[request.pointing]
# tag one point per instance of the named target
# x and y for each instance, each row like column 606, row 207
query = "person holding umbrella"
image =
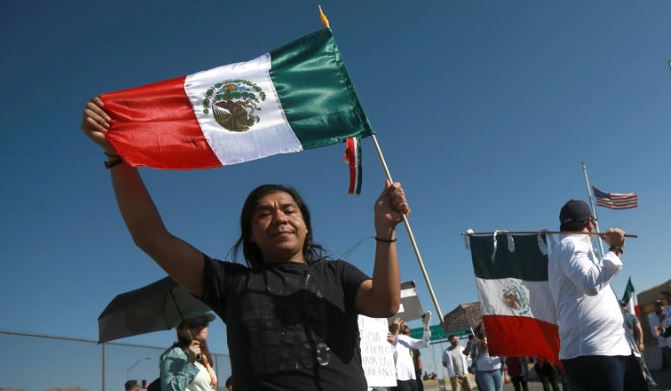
column 291, row 314
column 186, row 365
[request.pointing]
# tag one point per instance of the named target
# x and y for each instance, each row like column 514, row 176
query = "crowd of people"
column 489, row 371
column 291, row 313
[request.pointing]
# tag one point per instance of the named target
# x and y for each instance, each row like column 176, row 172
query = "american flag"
column 615, row 200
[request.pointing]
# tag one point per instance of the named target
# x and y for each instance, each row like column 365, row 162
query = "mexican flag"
column 629, row 298
column 511, row 277
column 293, row 98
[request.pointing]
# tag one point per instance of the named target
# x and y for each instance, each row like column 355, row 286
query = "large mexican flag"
column 511, row 278
column 293, row 98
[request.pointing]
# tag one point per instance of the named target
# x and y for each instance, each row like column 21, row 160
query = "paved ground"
column 663, row 379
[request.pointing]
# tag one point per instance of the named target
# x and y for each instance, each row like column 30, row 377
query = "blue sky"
column 483, row 109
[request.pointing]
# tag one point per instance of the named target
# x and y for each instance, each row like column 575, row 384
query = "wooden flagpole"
column 327, row 24
column 439, row 312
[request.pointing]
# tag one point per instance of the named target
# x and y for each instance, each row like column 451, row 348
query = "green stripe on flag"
column 315, row 91
column 526, row 262
column 628, row 291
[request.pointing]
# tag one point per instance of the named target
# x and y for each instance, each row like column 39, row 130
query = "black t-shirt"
column 290, row 326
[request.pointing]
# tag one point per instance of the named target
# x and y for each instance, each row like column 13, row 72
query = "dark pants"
column 666, row 357
column 520, row 383
column 547, row 375
column 606, row 373
column 406, row 385
column 420, row 383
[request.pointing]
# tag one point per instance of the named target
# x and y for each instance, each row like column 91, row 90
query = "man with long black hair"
column 290, row 313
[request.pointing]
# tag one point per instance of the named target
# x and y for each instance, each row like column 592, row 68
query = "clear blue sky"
column 484, row 111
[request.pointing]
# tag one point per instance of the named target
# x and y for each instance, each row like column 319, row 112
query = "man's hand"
column 389, row 209
column 96, row 123
column 426, row 319
column 614, row 237
column 395, row 327
column 194, row 351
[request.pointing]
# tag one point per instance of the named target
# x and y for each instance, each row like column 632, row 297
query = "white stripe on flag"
column 532, row 298
column 270, row 135
column 616, row 200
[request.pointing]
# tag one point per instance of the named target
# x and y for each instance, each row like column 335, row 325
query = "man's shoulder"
column 334, row 266
column 570, row 244
column 326, row 265
column 575, row 241
column 226, row 265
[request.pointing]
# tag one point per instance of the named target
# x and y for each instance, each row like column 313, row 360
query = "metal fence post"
column 104, row 370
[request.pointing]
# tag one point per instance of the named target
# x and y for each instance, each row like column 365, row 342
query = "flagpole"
column 628, row 336
column 327, row 24
column 543, row 232
column 412, row 237
column 591, row 203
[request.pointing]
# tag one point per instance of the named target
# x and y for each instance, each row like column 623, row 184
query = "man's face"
column 454, row 342
column 278, row 228
column 591, row 226
column 405, row 330
column 658, row 308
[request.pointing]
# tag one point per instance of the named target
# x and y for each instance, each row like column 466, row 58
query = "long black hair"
column 253, row 257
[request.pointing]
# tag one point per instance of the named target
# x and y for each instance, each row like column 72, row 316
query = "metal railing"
column 38, row 362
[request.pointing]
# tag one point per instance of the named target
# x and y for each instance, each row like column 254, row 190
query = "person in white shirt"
column 457, row 364
column 402, row 343
column 594, row 347
column 488, row 369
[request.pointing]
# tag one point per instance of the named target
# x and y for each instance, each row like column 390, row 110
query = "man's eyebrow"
column 263, row 207
column 268, row 206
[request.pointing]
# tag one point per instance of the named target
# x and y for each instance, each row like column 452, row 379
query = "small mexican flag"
column 293, row 98
column 629, row 298
column 511, row 277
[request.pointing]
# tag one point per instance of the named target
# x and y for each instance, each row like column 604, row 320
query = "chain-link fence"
column 34, row 362
column 432, row 358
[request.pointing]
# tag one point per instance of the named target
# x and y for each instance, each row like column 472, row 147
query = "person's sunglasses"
column 198, row 324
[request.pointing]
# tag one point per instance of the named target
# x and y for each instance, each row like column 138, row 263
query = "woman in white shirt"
column 186, row 365
column 487, row 368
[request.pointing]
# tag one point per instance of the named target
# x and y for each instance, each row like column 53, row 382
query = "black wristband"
column 384, row 240
column 111, row 155
column 618, row 250
column 111, row 163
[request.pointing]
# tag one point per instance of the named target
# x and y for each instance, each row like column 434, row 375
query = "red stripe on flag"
column 637, row 310
column 522, row 336
column 350, row 157
column 154, row 125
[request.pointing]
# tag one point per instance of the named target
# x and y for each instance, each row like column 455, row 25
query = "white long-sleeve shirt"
column 449, row 364
column 401, row 345
column 590, row 320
